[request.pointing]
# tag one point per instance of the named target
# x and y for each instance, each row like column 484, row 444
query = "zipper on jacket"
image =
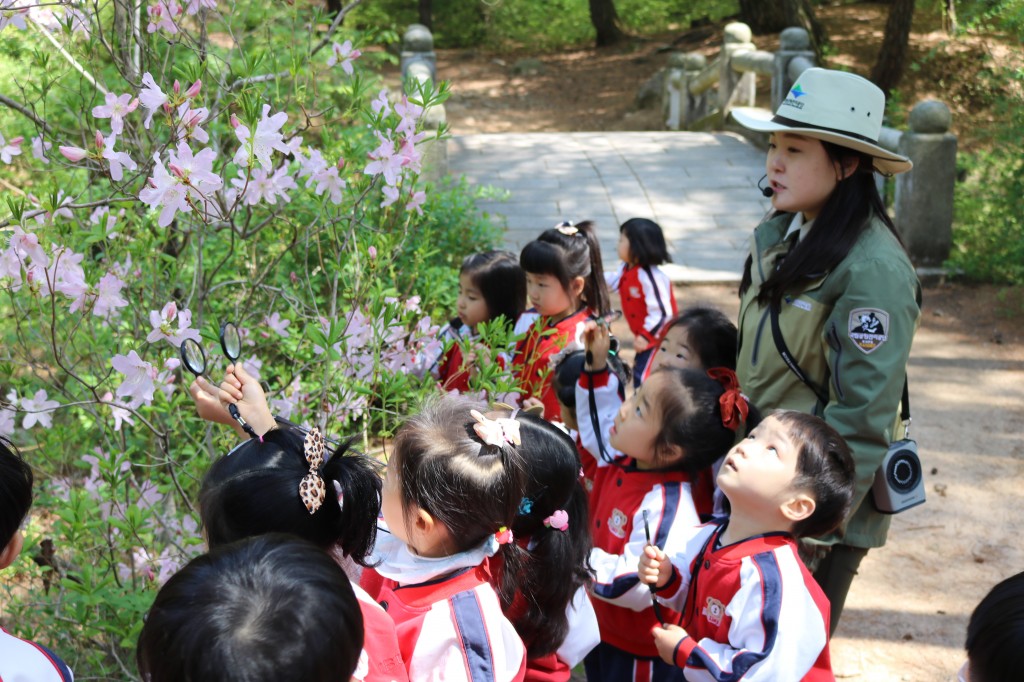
column 757, row 337
column 833, row 341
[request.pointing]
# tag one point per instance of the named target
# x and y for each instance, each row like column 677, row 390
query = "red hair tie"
column 733, row 403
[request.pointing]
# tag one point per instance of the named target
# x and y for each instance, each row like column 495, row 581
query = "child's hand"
column 597, row 341
column 206, row 397
column 534, row 402
column 640, row 344
column 242, row 389
column 665, row 639
column 655, row 568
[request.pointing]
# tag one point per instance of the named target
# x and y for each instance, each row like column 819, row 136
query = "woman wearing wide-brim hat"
column 831, row 264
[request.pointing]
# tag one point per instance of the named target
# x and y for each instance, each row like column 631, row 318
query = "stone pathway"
column 700, row 187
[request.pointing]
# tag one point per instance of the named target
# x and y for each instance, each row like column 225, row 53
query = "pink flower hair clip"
column 559, row 520
column 496, row 432
column 503, row 536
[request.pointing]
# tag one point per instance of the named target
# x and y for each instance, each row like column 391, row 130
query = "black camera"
column 899, row 482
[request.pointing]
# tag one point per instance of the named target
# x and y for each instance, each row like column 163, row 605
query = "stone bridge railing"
column 418, row 63
column 697, row 95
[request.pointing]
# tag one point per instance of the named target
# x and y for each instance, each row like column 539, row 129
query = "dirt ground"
column 907, row 612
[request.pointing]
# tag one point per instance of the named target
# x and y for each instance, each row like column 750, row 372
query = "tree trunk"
column 893, row 55
column 949, row 17
column 772, row 16
column 606, row 20
column 427, row 13
column 124, row 38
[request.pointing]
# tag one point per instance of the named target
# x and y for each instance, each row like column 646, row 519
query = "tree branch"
column 26, row 112
column 334, row 25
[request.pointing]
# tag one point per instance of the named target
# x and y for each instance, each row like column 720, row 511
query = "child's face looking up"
column 638, row 425
column 674, row 351
column 471, row 305
column 758, row 472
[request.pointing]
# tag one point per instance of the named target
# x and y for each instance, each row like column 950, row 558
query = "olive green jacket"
column 850, row 330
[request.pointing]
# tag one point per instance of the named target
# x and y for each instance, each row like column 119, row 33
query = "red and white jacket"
column 648, row 301
column 532, row 356
column 448, row 366
column 451, row 629
column 620, row 496
column 381, row 659
column 25, row 661
column 751, row 610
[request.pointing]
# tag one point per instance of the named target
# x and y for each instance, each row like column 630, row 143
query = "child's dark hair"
column 700, row 430
column 267, row 608
column 445, row 469
column 567, row 375
column 646, row 241
column 995, row 633
column 824, row 468
column 501, row 282
column 710, row 335
column 255, row 490
column 552, row 484
column 15, row 491
column 567, row 256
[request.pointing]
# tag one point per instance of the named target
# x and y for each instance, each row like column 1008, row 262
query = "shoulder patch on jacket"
column 869, row 328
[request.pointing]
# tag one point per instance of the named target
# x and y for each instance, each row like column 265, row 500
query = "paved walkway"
column 700, row 187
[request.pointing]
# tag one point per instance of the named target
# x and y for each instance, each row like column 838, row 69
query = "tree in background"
column 772, row 16
column 606, row 22
column 888, row 70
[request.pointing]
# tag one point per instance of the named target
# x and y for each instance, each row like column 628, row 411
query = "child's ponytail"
column 356, row 479
column 595, row 290
column 552, row 521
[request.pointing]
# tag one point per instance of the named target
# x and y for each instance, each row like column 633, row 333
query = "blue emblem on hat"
column 797, row 92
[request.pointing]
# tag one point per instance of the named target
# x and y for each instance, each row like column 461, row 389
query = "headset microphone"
column 766, row 191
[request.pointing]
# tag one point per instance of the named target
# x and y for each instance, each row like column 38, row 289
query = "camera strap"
column 819, row 392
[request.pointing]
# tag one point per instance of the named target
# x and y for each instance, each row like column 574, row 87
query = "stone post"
column 793, row 42
column 418, row 46
column 735, row 88
column 924, row 195
column 434, row 151
column 678, row 105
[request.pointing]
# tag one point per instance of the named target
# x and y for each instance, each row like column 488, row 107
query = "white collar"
column 798, row 225
column 395, row 561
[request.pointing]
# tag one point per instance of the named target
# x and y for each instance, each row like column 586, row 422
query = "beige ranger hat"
column 834, row 106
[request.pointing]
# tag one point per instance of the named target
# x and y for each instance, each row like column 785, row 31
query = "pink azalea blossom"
column 8, row 150
column 7, row 416
column 343, row 54
column 288, row 404
column 40, row 147
column 38, row 410
column 385, row 161
column 193, row 90
column 116, row 108
column 192, row 7
column 11, row 14
column 66, row 276
column 162, row 16
column 260, row 186
column 138, row 384
column 166, row 190
column 193, row 176
column 278, row 324
column 409, row 156
column 372, row 252
column 73, row 154
column 294, row 146
column 390, row 196
column 116, row 159
column 416, row 204
column 164, row 328
column 26, row 246
column 108, row 297
column 266, row 139
column 253, row 367
column 329, row 181
column 117, row 411
column 380, row 104
column 152, row 98
column 409, row 113
column 312, row 166
column 10, row 267
column 188, row 123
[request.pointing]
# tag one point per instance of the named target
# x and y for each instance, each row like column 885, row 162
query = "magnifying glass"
column 654, row 600
column 231, row 341
column 193, row 357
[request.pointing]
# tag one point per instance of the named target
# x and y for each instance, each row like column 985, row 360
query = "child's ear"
column 576, row 286
column 12, row 550
column 670, row 453
column 798, row 507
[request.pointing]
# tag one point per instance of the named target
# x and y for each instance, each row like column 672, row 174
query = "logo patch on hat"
column 797, row 92
column 869, row 328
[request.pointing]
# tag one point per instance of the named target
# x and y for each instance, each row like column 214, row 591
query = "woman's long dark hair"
column 846, row 215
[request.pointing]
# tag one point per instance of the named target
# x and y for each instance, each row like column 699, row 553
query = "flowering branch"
column 334, row 25
column 25, row 111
